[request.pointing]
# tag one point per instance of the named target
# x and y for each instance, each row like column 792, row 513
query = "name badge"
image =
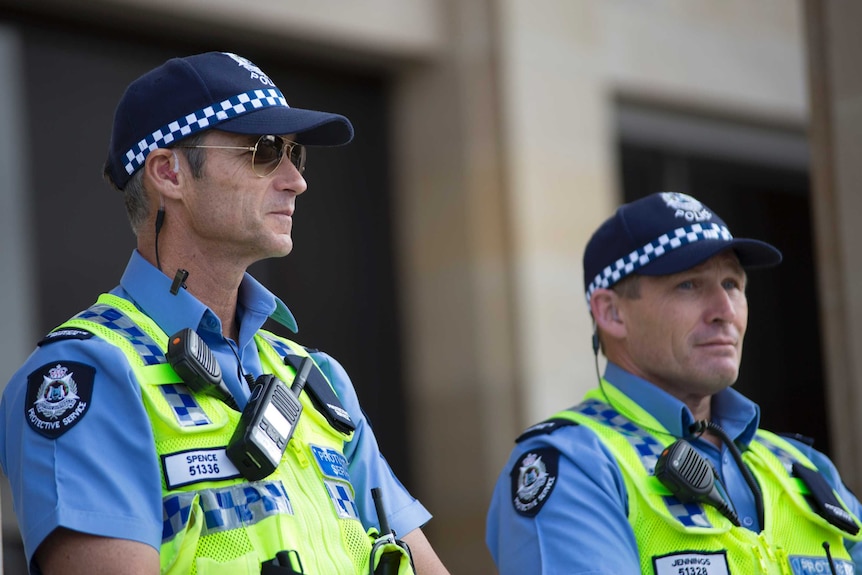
column 692, row 563
column 197, row 466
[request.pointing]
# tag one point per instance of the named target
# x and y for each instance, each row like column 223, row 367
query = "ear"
column 162, row 173
column 604, row 305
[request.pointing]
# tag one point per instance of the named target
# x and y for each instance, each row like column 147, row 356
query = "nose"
column 723, row 305
column 289, row 179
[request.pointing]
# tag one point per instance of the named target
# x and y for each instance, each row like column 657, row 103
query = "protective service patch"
column 331, row 463
column 534, row 476
column 819, row 565
column 58, row 396
column 692, row 563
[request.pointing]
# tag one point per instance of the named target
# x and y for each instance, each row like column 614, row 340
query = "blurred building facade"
column 439, row 256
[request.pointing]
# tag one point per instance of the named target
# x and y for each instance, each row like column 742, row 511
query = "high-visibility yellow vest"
column 687, row 539
column 227, row 525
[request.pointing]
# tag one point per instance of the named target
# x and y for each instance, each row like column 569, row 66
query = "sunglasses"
column 267, row 154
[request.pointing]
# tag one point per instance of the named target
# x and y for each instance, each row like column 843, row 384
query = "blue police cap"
column 184, row 96
column 663, row 234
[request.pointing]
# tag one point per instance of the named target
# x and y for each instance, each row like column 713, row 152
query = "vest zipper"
column 761, row 560
column 774, row 560
column 338, row 557
column 299, row 453
column 783, row 561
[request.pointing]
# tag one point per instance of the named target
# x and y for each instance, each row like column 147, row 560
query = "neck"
column 212, row 280
column 700, row 407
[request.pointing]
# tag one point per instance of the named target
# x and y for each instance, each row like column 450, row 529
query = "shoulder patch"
column 58, row 396
column 545, row 427
column 534, row 476
column 65, row 333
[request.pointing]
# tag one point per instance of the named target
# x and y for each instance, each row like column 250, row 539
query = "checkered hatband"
column 200, row 120
column 655, row 249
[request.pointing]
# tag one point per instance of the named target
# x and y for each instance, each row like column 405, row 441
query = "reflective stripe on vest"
column 649, row 449
column 230, row 507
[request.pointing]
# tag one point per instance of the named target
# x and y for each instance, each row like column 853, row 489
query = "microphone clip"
column 179, row 281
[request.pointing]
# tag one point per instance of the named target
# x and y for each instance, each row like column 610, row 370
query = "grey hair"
column 629, row 287
column 135, row 193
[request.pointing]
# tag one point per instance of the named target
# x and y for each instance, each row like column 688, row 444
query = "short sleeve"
column 560, row 506
column 77, row 446
column 367, row 466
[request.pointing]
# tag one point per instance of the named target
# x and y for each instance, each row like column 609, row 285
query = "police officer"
column 120, row 464
column 623, row 482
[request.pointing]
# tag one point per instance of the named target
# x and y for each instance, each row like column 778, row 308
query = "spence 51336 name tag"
column 197, row 466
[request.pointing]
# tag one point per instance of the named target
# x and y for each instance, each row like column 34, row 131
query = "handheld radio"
column 267, row 424
column 195, row 363
column 391, row 560
column 692, row 479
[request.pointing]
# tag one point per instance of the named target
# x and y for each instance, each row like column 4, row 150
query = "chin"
column 273, row 254
column 716, row 375
column 281, row 247
column 725, row 378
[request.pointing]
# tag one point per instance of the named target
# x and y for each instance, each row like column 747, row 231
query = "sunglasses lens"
column 270, row 151
column 297, row 156
column 267, row 155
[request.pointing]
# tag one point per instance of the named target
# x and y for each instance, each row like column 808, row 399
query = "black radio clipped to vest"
column 267, row 424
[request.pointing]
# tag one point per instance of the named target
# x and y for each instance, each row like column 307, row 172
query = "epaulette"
column 545, row 427
column 65, row 333
column 809, row 441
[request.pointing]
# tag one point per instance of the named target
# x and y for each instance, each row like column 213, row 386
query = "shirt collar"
column 735, row 413
column 149, row 289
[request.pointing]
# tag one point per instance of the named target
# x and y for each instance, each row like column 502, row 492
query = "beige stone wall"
column 366, row 31
column 836, row 133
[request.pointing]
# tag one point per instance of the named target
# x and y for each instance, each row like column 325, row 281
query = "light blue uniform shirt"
column 102, row 475
column 582, row 527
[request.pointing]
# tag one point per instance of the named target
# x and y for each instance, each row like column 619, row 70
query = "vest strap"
column 648, row 449
column 323, row 397
column 317, row 386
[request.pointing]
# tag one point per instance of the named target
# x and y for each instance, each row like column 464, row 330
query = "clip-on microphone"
column 692, row 479
column 179, row 281
column 196, row 365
